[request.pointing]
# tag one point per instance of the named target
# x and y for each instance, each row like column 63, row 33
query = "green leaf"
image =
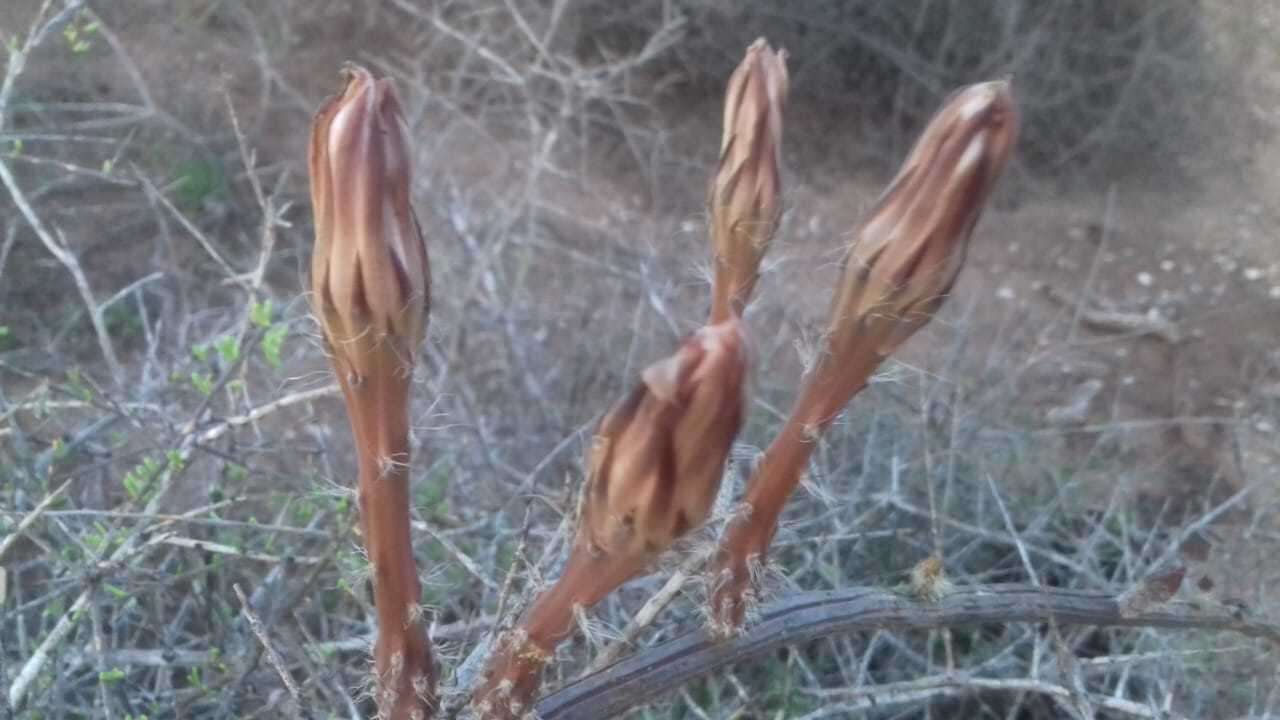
column 202, row 382
column 260, row 313
column 137, row 480
column 228, row 349
column 273, row 343
column 175, row 460
column 113, row 675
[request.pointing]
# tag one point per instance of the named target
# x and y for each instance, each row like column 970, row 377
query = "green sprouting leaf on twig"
column 202, row 382
column 175, row 460
column 98, row 538
column 77, row 385
column 138, row 480
column 114, row 675
column 228, row 349
column 77, row 36
column 61, row 450
column 260, row 314
column 273, row 343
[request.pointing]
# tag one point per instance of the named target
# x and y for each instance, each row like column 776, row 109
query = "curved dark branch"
column 807, row 616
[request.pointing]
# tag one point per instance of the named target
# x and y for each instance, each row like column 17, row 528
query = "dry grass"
column 168, row 431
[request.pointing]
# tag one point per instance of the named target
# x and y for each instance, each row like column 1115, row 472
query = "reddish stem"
column 827, row 390
column 515, row 669
column 378, row 407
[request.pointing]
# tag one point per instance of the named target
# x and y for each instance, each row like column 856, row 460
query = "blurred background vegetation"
column 1109, row 368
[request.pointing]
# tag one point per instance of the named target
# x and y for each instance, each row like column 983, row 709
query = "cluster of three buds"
column 658, row 457
column 660, row 454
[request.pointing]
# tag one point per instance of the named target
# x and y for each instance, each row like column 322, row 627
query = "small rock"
column 1076, row 411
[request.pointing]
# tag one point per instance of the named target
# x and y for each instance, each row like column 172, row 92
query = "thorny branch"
column 273, row 655
column 808, row 616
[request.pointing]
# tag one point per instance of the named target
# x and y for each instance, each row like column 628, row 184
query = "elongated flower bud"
column 659, row 455
column 908, row 253
column 369, row 273
column 744, row 197
column 655, row 469
column 370, row 282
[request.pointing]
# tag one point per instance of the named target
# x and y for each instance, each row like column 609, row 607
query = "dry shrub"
column 1101, row 82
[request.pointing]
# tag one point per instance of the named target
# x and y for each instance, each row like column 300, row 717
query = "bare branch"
column 26, row 522
column 273, row 655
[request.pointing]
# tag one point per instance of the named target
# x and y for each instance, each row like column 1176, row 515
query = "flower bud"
column 370, row 283
column 654, row 471
column 744, row 197
column 659, row 455
column 906, row 257
column 369, row 272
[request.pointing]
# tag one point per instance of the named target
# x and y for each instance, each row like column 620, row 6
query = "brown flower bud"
column 369, row 273
column 744, row 197
column 907, row 255
column 659, row 455
column 370, row 283
column 654, row 470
